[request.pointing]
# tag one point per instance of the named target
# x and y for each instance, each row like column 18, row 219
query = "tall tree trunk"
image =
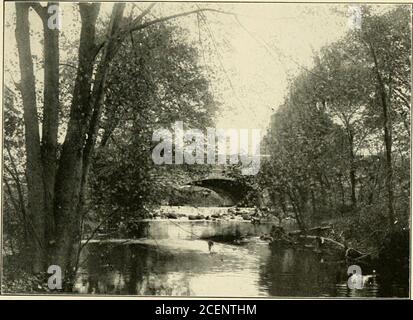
column 389, row 165
column 387, row 130
column 50, row 122
column 109, row 51
column 82, row 131
column 352, row 170
column 34, row 170
column 98, row 94
column 69, row 172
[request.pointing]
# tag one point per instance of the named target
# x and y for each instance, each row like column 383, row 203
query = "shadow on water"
column 292, row 272
column 186, row 268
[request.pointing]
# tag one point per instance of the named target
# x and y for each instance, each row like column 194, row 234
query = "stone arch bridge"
column 220, row 182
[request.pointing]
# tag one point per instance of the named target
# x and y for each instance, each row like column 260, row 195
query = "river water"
column 185, row 267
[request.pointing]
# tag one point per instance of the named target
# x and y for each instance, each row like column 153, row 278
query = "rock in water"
column 171, row 215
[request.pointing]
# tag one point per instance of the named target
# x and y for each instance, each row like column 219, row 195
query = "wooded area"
column 133, row 57
column 340, row 144
column 77, row 145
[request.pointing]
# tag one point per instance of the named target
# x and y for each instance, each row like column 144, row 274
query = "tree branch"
column 178, row 15
column 135, row 26
column 40, row 10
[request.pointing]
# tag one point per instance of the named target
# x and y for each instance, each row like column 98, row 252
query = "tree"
column 387, row 47
column 56, row 177
column 334, row 136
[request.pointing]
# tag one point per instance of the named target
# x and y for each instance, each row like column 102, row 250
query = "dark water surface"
column 184, row 267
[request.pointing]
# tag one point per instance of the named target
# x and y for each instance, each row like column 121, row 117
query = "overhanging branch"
column 139, row 26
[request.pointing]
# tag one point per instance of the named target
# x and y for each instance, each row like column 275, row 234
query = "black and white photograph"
column 206, row 149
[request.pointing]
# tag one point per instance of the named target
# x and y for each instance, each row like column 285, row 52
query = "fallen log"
column 323, row 245
column 323, row 239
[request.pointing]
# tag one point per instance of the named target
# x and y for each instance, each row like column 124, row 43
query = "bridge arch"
column 227, row 187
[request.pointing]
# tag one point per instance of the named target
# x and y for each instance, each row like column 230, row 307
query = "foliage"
column 106, row 87
column 336, row 147
column 154, row 81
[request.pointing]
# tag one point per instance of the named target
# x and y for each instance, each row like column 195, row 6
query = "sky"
column 256, row 53
column 248, row 58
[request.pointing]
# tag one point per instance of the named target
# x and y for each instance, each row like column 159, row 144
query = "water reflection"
column 186, row 268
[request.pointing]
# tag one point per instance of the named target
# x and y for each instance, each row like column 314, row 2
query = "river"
column 177, row 262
